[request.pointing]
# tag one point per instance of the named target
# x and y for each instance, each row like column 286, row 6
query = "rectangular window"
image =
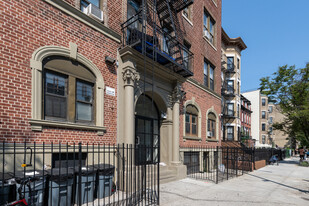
column 230, row 133
column 270, row 109
column 270, row 130
column 230, row 109
column 230, row 86
column 263, row 102
column 209, row 75
column 191, row 124
column 55, row 95
column 209, row 27
column 186, row 62
column 238, row 111
column 263, row 114
column 263, row 139
column 230, row 63
column 187, row 123
column 263, row 127
column 211, row 78
column 187, row 12
column 270, row 120
column 84, row 101
column 211, row 128
column 206, row 74
column 238, row 63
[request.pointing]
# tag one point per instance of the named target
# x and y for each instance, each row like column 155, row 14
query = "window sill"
column 211, row 140
column 188, row 20
column 210, row 43
column 192, row 138
column 37, row 125
column 215, row 3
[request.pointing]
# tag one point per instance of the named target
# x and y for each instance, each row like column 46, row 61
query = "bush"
column 304, row 164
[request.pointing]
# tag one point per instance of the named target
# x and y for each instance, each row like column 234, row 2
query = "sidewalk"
column 286, row 184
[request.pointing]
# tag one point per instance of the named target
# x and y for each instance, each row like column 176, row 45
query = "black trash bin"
column 37, row 185
column 104, row 180
column 60, row 186
column 7, row 193
column 88, row 175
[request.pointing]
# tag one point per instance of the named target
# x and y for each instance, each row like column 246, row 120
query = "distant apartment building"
column 259, row 118
column 231, row 49
column 279, row 138
column 245, row 113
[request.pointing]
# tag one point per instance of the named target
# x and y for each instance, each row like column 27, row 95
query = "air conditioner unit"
column 207, row 34
column 209, row 134
column 94, row 11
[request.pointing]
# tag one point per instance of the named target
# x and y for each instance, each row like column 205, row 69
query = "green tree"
column 289, row 88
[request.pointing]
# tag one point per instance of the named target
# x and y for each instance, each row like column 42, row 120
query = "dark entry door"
column 146, row 131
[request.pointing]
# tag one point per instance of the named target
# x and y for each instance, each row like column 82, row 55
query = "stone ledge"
column 37, row 125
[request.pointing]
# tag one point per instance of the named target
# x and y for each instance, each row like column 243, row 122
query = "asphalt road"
column 286, row 184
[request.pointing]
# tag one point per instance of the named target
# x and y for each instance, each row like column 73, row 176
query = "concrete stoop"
column 172, row 173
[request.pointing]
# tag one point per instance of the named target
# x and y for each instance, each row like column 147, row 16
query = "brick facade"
column 29, row 25
column 202, row 49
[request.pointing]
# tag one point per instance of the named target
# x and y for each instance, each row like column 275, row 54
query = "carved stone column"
column 176, row 99
column 130, row 77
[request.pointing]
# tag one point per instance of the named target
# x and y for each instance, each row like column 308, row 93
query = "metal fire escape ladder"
column 167, row 15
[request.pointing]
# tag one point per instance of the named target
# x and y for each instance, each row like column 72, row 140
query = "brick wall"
column 193, row 34
column 26, row 26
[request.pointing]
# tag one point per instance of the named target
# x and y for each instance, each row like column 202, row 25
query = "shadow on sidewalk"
column 214, row 200
column 278, row 183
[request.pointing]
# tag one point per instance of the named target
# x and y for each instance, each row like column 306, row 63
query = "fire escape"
column 155, row 32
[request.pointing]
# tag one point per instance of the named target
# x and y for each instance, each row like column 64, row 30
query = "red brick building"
column 245, row 113
column 37, row 39
column 201, row 24
column 71, row 72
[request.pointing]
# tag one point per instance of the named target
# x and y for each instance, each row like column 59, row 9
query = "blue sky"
column 276, row 33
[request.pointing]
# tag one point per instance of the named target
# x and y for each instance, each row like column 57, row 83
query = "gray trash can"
column 37, row 186
column 7, row 193
column 88, row 175
column 60, row 186
column 104, row 183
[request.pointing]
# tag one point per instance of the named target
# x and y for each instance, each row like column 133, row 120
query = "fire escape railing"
column 162, row 43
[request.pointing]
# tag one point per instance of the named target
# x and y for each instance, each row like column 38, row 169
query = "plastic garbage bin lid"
column 4, row 177
column 35, row 174
column 60, row 174
column 105, row 169
column 85, row 170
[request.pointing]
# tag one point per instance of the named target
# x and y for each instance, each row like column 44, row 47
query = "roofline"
column 233, row 41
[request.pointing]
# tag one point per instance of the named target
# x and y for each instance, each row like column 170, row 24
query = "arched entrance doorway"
column 147, row 132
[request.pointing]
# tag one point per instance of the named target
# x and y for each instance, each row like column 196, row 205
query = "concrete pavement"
column 286, row 184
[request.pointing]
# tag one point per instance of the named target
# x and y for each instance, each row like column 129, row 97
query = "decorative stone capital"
column 130, row 76
column 177, row 94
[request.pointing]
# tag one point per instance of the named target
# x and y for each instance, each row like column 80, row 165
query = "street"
column 286, row 184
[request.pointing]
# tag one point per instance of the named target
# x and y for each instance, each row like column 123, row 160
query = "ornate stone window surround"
column 199, row 126
column 37, row 121
column 212, row 110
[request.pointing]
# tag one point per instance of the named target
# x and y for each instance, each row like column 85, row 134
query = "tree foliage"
column 289, row 88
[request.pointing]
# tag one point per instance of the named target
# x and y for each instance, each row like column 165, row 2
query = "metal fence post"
column 227, row 163
column 217, row 171
column 80, row 174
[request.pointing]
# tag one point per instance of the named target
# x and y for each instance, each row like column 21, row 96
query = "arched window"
column 67, row 90
column 191, row 120
column 211, row 125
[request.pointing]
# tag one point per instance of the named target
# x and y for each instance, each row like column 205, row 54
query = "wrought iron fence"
column 217, row 163
column 78, row 174
column 267, row 153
